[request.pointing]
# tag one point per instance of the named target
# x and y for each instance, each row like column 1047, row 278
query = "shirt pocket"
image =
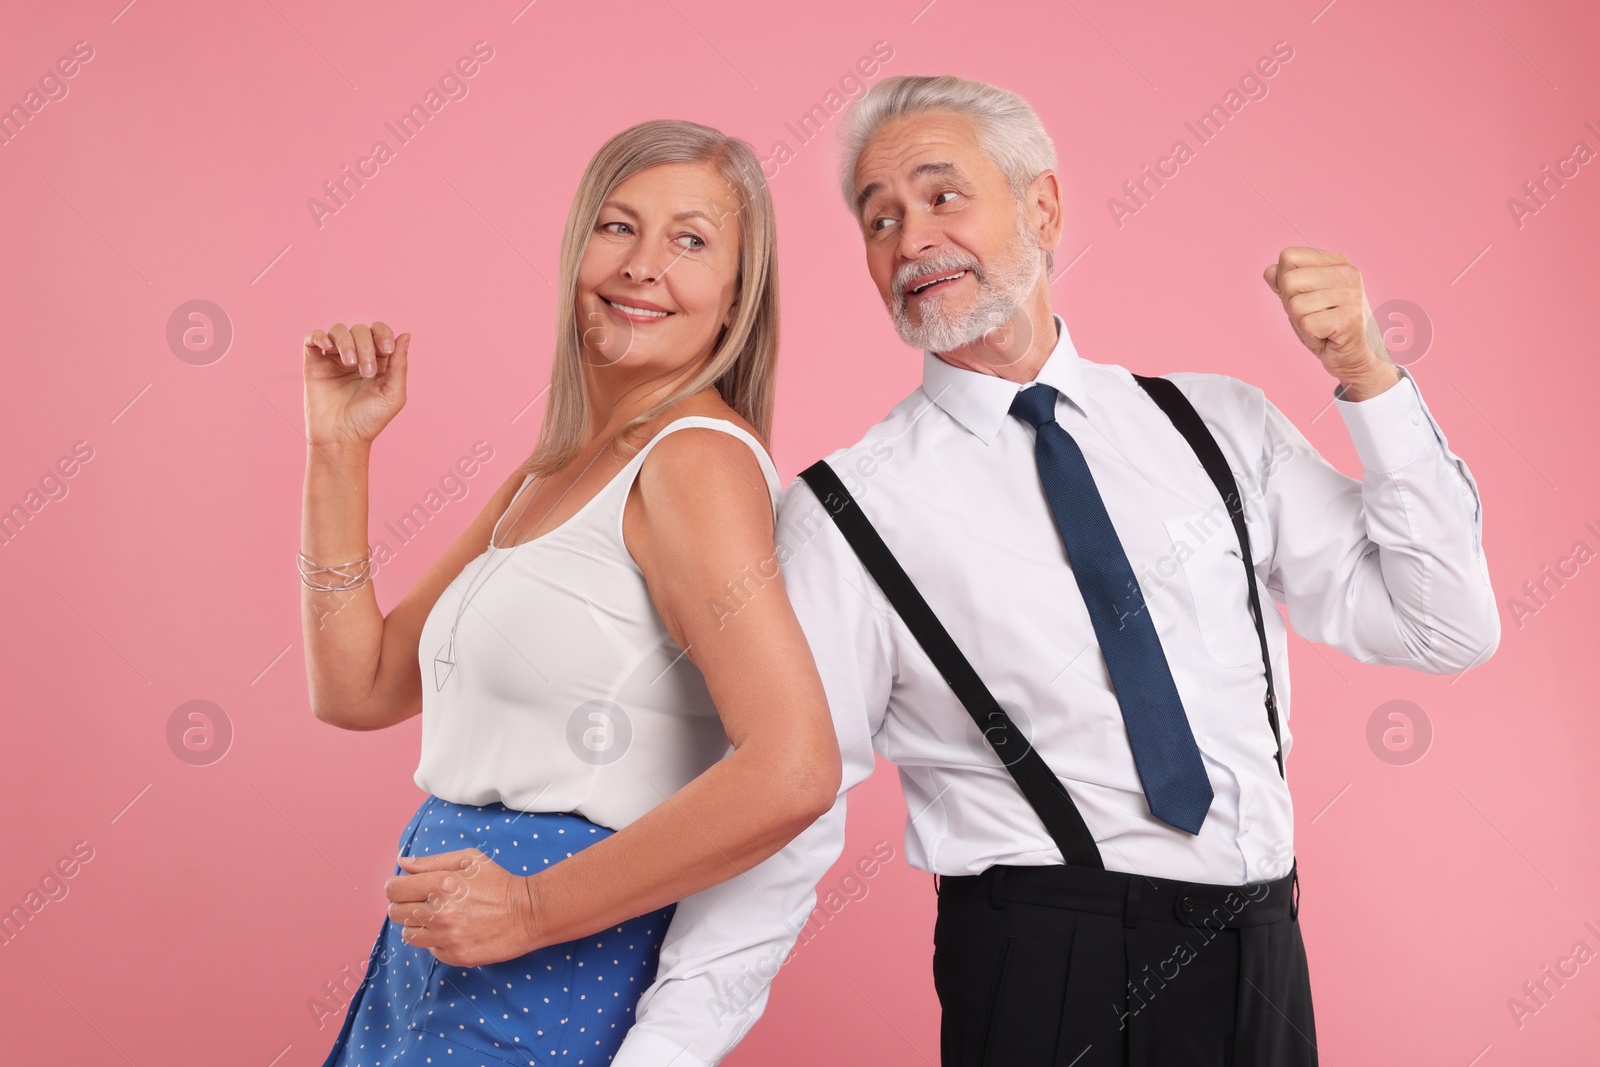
column 1207, row 552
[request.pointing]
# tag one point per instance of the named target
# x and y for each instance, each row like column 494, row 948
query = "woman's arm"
column 705, row 520
column 362, row 666
column 343, row 630
column 699, row 518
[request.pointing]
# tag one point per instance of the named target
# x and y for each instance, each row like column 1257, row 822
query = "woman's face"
column 658, row 276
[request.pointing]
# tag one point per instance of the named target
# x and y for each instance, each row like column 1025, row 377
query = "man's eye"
column 875, row 224
column 947, row 192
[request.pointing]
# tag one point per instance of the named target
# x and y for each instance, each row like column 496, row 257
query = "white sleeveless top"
column 568, row 692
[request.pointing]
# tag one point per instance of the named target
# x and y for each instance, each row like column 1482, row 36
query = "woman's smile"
column 634, row 310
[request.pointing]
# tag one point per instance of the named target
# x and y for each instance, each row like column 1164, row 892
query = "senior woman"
column 602, row 734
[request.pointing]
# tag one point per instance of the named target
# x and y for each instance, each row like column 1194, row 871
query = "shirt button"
column 1416, row 418
column 1246, row 824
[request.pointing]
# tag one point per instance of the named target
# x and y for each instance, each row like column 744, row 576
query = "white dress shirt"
column 1389, row 569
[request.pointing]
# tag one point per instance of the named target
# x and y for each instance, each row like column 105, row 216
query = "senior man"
column 1035, row 586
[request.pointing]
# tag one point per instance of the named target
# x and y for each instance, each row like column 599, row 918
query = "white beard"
column 1001, row 291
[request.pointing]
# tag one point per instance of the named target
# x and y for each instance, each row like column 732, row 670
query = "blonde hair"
column 743, row 362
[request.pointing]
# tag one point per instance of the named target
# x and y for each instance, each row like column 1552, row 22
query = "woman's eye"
column 607, row 226
column 696, row 246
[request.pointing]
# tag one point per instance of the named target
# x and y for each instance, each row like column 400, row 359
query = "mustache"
column 936, row 263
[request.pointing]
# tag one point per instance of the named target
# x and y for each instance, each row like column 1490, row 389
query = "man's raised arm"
column 1390, row 569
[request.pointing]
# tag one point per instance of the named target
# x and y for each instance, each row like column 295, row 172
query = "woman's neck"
column 617, row 397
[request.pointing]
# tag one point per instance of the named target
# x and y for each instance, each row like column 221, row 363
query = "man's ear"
column 1046, row 196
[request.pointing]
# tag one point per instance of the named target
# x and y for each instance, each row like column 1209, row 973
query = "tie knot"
column 1035, row 405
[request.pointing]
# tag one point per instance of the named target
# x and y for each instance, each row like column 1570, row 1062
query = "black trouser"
column 1078, row 967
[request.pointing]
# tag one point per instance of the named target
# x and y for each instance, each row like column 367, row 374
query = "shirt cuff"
column 641, row 1049
column 1391, row 429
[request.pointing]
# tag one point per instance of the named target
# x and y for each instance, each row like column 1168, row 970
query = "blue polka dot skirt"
column 563, row 1004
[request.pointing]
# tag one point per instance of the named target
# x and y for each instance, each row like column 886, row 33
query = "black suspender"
column 1039, row 784
column 1171, row 400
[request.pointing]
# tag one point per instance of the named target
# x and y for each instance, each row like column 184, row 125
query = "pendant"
column 449, row 666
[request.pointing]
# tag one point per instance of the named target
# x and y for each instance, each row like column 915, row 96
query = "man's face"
column 948, row 245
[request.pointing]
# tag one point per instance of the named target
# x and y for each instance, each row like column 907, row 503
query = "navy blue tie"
column 1164, row 751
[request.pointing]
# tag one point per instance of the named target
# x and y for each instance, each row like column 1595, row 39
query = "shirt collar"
column 982, row 402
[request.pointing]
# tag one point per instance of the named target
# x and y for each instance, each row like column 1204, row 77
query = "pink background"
column 220, row 897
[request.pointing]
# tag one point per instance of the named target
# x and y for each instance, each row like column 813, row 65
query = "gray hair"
column 1008, row 129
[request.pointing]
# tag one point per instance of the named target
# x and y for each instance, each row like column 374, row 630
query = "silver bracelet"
column 352, row 580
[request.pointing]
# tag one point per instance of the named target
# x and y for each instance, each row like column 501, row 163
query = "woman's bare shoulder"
column 704, row 463
column 700, row 499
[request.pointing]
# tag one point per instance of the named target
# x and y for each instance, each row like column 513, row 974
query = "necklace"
column 446, row 657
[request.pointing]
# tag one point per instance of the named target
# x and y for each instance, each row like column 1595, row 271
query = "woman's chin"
column 610, row 355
